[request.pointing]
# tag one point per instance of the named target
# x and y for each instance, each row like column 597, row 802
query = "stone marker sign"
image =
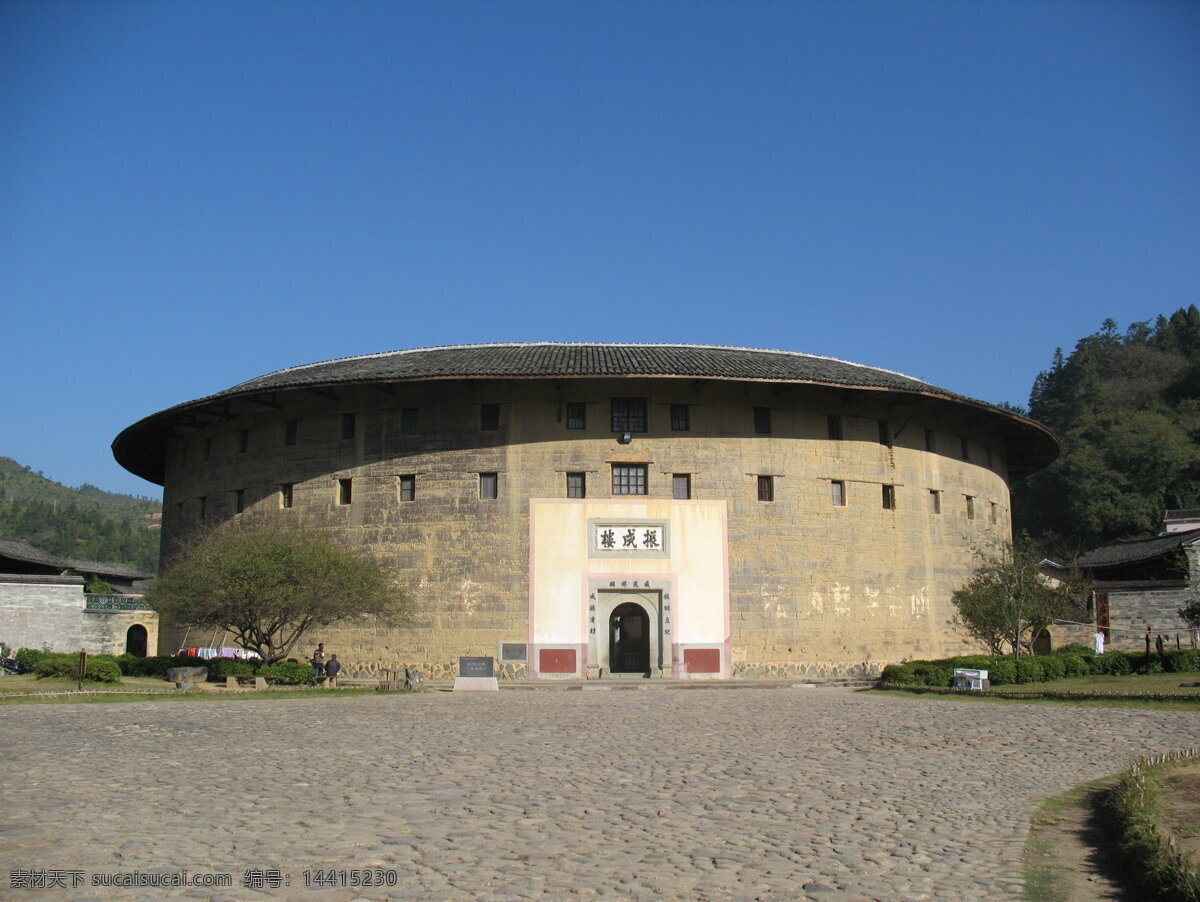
column 477, row 673
column 476, row 667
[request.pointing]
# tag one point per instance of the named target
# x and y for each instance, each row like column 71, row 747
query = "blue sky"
column 196, row 193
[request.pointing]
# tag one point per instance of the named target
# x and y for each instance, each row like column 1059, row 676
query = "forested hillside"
column 85, row 523
column 1127, row 408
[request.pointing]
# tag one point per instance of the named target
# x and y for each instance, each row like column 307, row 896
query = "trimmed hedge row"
column 1070, row 661
column 99, row 668
column 110, row 668
column 286, row 673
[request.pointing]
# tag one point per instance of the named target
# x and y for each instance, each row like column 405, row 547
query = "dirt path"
column 1065, row 856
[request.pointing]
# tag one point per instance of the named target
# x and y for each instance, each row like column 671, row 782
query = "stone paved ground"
column 763, row 794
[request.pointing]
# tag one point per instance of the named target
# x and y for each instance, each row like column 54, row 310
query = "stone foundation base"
column 813, row 671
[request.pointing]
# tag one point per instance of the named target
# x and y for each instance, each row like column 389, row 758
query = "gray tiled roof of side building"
column 18, row 550
column 1131, row 552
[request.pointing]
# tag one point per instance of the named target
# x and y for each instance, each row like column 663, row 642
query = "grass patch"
column 1160, row 691
column 27, row 689
column 1060, row 843
column 1142, row 835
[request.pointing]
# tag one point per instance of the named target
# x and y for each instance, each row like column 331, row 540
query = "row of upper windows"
column 627, row 479
column 627, row 417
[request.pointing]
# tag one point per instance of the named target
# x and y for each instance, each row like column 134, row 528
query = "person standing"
column 332, row 669
column 318, row 659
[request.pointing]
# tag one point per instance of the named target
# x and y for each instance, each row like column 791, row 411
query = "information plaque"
column 476, row 667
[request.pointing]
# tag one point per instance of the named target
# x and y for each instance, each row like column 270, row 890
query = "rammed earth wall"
column 814, row 590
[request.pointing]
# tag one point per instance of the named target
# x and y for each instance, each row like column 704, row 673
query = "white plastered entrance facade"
column 588, row 558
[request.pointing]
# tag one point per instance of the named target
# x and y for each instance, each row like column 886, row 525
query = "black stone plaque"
column 477, row 667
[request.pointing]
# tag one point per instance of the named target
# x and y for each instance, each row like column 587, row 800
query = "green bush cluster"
column 1069, row 661
column 290, row 673
column 99, row 668
column 219, row 668
column 28, row 657
column 156, row 666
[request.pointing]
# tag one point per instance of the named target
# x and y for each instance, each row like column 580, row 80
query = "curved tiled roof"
column 1135, row 551
column 140, row 448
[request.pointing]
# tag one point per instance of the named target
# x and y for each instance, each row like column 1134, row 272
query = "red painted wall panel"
column 556, row 660
column 702, row 660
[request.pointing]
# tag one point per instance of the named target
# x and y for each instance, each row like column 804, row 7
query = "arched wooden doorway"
column 1041, row 642
column 629, row 639
column 135, row 641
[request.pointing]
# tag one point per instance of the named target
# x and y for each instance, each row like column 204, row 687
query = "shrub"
column 28, row 658
column 1003, row 671
column 1154, row 665
column 901, row 674
column 1184, row 661
column 1113, row 663
column 1073, row 666
column 970, row 662
column 1029, row 670
column 290, row 673
column 1076, row 648
column 132, row 665
column 219, row 668
column 1053, row 667
column 100, row 668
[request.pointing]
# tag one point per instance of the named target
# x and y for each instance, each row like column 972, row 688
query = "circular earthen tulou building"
column 609, row 510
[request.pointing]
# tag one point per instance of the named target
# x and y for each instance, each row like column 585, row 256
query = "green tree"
column 1008, row 600
column 1191, row 613
column 1127, row 408
column 268, row 585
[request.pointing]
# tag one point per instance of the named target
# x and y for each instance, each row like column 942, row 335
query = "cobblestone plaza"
column 711, row 794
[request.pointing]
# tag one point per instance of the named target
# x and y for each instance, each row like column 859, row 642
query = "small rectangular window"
column 290, row 430
column 889, row 497
column 576, row 415
column 930, row 441
column 762, row 420
column 349, row 421
column 628, row 415
column 970, row 506
column 838, row 492
column 966, row 448
column 243, row 440
column 408, row 421
column 285, row 494
column 833, row 424
column 681, row 486
column 345, row 491
column 239, row 500
column 489, row 486
column 408, row 487
column 629, row 479
column 207, row 449
column 993, row 515
column 203, row 504
column 766, row 488
column 489, row 417
column 576, row 485
column 935, row 501
column 885, row 433
column 681, row 420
